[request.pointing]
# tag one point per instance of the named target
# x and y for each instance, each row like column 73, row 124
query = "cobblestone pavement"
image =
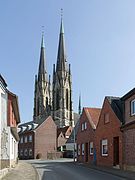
column 23, row 171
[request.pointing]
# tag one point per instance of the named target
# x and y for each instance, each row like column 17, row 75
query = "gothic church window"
column 57, row 100
column 46, row 101
column 38, row 106
column 67, row 107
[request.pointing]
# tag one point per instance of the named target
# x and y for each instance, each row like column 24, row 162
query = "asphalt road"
column 67, row 170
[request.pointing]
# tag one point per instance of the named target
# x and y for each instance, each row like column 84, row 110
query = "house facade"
column 4, row 145
column 108, row 134
column 9, row 119
column 38, row 139
column 129, row 130
column 86, row 135
column 63, row 135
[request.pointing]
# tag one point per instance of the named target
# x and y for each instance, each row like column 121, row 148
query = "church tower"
column 62, row 110
column 42, row 94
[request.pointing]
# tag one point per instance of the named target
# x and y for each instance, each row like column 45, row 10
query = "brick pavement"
column 23, row 171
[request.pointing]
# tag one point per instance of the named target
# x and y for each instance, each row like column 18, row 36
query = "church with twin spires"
column 54, row 97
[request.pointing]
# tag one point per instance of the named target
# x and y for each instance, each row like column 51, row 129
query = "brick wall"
column 23, row 146
column 45, row 138
column 108, row 131
column 11, row 121
column 129, row 139
column 129, row 135
column 127, row 114
column 84, row 137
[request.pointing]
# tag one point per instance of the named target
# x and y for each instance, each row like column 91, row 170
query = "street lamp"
column 74, row 144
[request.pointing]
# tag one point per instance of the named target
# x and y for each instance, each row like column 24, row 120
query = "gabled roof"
column 63, row 130
column 3, row 81
column 129, row 94
column 32, row 125
column 117, row 106
column 92, row 115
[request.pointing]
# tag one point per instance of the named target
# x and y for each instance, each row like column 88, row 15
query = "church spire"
column 42, row 73
column 61, row 58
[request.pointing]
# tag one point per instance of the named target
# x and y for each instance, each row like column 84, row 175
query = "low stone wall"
column 54, row 155
column 5, row 163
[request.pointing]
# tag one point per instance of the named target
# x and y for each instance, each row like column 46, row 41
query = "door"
column 116, row 151
column 86, row 152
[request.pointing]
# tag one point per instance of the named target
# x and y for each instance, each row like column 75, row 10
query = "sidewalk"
column 23, row 171
column 128, row 175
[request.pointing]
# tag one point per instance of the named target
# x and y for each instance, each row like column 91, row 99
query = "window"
column 25, row 139
column 46, row 102
column 30, row 138
column 91, row 148
column 106, row 118
column 30, row 152
column 57, row 100
column 133, row 107
column 104, row 147
column 78, row 149
column 85, row 125
column 82, row 126
column 82, row 149
column 21, row 139
column 67, row 102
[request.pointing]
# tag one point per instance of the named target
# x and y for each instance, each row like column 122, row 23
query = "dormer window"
column 106, row 118
column 132, row 107
column 85, row 125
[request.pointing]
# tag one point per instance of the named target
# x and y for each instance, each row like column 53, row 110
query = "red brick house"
column 38, row 139
column 86, row 135
column 129, row 130
column 108, row 133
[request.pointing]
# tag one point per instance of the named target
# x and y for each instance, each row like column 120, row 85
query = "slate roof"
column 117, row 106
column 31, row 125
column 3, row 81
column 129, row 94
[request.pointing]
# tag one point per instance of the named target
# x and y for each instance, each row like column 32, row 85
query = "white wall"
column 8, row 144
column 4, row 140
column 13, row 148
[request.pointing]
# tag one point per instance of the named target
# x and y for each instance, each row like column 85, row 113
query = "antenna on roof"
column 79, row 106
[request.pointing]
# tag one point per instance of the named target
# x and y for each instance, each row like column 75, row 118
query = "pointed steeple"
column 79, row 107
column 42, row 73
column 61, row 58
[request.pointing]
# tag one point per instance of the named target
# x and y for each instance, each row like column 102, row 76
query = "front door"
column 86, row 152
column 116, row 151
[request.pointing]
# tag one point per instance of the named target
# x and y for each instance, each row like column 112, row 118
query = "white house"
column 9, row 118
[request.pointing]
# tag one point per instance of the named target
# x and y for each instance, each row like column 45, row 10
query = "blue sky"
column 100, row 43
